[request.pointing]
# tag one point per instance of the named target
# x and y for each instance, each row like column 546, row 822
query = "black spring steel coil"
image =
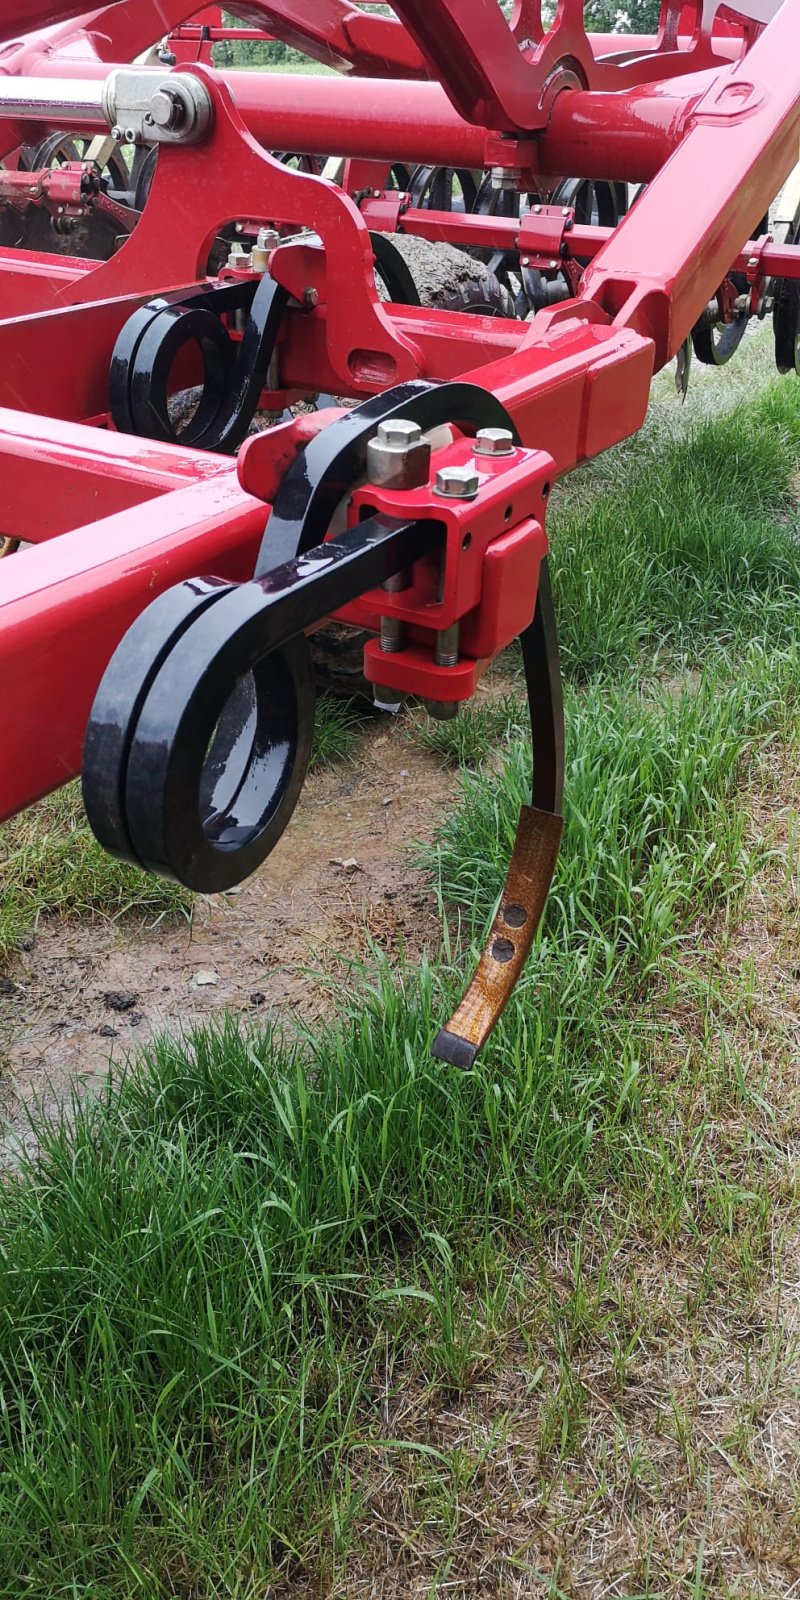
column 199, row 738
column 234, row 374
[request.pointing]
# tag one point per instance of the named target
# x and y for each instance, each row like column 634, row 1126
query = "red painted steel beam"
column 662, row 264
column 583, row 240
column 37, row 14
column 57, row 476
column 474, row 53
column 625, row 136
column 339, row 35
column 64, row 607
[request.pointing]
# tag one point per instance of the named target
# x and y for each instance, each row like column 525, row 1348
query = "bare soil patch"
column 88, row 991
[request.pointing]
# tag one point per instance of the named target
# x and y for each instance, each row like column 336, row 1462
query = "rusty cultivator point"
column 184, row 245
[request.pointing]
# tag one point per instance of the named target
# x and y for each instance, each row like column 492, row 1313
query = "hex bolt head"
column 399, row 457
column 494, row 442
column 238, row 258
column 398, row 434
column 457, row 483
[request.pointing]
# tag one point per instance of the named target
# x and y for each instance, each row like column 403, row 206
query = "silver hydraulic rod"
column 139, row 105
column 53, row 100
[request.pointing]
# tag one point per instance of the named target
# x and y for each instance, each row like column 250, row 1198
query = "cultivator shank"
column 171, row 280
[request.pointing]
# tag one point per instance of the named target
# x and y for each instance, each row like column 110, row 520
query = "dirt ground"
column 88, row 990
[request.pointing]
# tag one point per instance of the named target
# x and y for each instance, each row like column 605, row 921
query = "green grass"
column 698, row 547
column 200, row 1270
column 338, row 724
column 219, row 1281
column 481, row 727
column 51, row 865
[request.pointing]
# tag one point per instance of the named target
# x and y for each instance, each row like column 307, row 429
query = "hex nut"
column 399, row 457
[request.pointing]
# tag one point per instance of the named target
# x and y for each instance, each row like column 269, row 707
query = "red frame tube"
column 718, row 146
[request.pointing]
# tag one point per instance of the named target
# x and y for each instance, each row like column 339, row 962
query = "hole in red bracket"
column 466, row 541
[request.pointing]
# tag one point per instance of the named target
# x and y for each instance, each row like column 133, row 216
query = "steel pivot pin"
column 399, row 457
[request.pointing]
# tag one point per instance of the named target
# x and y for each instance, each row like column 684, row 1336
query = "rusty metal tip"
column 457, row 1052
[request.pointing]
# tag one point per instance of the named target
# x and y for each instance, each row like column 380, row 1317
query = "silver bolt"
column 117, row 133
column 446, row 650
column 130, row 135
column 310, row 297
column 445, row 654
column 399, row 457
column 457, row 483
column 398, row 434
column 393, row 635
column 166, row 109
column 494, row 442
column 238, row 257
column 268, row 239
column 393, row 630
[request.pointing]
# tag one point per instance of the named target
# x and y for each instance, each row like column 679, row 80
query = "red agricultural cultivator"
column 185, row 248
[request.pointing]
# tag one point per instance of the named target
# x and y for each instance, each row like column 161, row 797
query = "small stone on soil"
column 258, row 999
column 205, row 978
column 120, row 1000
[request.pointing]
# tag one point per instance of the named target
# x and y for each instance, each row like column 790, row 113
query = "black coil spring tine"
column 119, row 699
column 233, row 376
column 213, row 751
column 223, row 737
column 169, row 333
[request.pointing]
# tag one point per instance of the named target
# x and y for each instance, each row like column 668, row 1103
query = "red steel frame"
column 708, row 112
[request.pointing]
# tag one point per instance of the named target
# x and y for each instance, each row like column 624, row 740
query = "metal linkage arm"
column 338, row 34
